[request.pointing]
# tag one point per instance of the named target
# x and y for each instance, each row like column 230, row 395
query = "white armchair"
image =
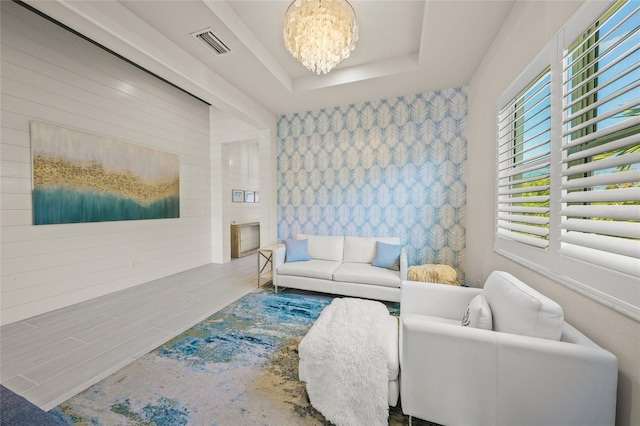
column 455, row 375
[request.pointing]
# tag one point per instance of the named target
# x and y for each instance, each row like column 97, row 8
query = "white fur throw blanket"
column 344, row 356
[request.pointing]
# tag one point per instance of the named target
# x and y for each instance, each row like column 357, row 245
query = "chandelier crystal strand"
column 320, row 33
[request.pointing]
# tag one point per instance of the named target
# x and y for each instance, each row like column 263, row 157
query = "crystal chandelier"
column 320, row 33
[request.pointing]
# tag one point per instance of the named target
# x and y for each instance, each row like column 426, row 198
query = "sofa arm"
column 437, row 300
column 404, row 266
column 277, row 259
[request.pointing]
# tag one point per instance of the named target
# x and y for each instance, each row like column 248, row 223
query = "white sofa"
column 529, row 368
column 341, row 265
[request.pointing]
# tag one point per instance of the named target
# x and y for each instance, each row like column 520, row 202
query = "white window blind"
column 601, row 143
column 524, row 143
column 568, row 158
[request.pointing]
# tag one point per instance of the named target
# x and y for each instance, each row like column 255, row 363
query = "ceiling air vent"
column 209, row 39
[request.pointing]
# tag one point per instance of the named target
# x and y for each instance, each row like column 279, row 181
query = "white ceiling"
column 404, row 47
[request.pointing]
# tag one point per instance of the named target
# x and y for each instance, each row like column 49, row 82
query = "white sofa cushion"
column 478, row 314
column 363, row 273
column 314, row 268
column 324, row 247
column 519, row 309
column 363, row 249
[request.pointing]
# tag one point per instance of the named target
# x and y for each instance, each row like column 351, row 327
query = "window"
column 568, row 190
column 524, row 138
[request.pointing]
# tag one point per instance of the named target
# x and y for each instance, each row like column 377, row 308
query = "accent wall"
column 391, row 167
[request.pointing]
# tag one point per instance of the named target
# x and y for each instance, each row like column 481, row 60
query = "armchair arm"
column 437, row 300
column 566, row 383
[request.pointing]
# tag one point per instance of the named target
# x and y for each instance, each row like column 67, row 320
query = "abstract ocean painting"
column 80, row 177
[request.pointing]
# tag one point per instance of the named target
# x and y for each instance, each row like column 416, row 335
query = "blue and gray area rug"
column 238, row 367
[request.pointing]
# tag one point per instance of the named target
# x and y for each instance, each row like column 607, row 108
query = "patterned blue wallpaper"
column 392, row 167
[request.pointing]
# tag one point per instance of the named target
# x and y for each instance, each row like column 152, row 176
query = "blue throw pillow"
column 296, row 250
column 387, row 256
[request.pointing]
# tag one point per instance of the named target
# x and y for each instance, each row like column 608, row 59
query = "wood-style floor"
column 51, row 357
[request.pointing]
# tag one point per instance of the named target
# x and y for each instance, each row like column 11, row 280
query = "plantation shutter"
column 601, row 143
column 524, row 143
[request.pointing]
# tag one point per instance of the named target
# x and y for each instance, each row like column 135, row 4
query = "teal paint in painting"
column 62, row 205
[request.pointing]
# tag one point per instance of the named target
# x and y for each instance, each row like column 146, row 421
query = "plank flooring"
column 51, row 357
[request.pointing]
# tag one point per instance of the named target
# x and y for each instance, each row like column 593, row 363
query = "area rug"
column 238, row 367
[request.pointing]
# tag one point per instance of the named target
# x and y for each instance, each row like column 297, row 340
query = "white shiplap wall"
column 244, row 173
column 54, row 76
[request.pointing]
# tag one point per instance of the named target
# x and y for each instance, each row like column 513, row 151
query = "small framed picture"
column 237, row 195
column 248, row 196
column 256, row 197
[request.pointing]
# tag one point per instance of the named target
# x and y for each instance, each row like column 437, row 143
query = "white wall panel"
column 244, row 174
column 14, row 185
column 17, row 153
column 93, row 65
column 15, row 169
column 54, row 76
column 226, row 128
column 15, row 137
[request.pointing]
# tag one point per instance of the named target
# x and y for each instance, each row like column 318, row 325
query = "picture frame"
column 249, row 196
column 237, row 195
column 256, row 196
column 120, row 180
